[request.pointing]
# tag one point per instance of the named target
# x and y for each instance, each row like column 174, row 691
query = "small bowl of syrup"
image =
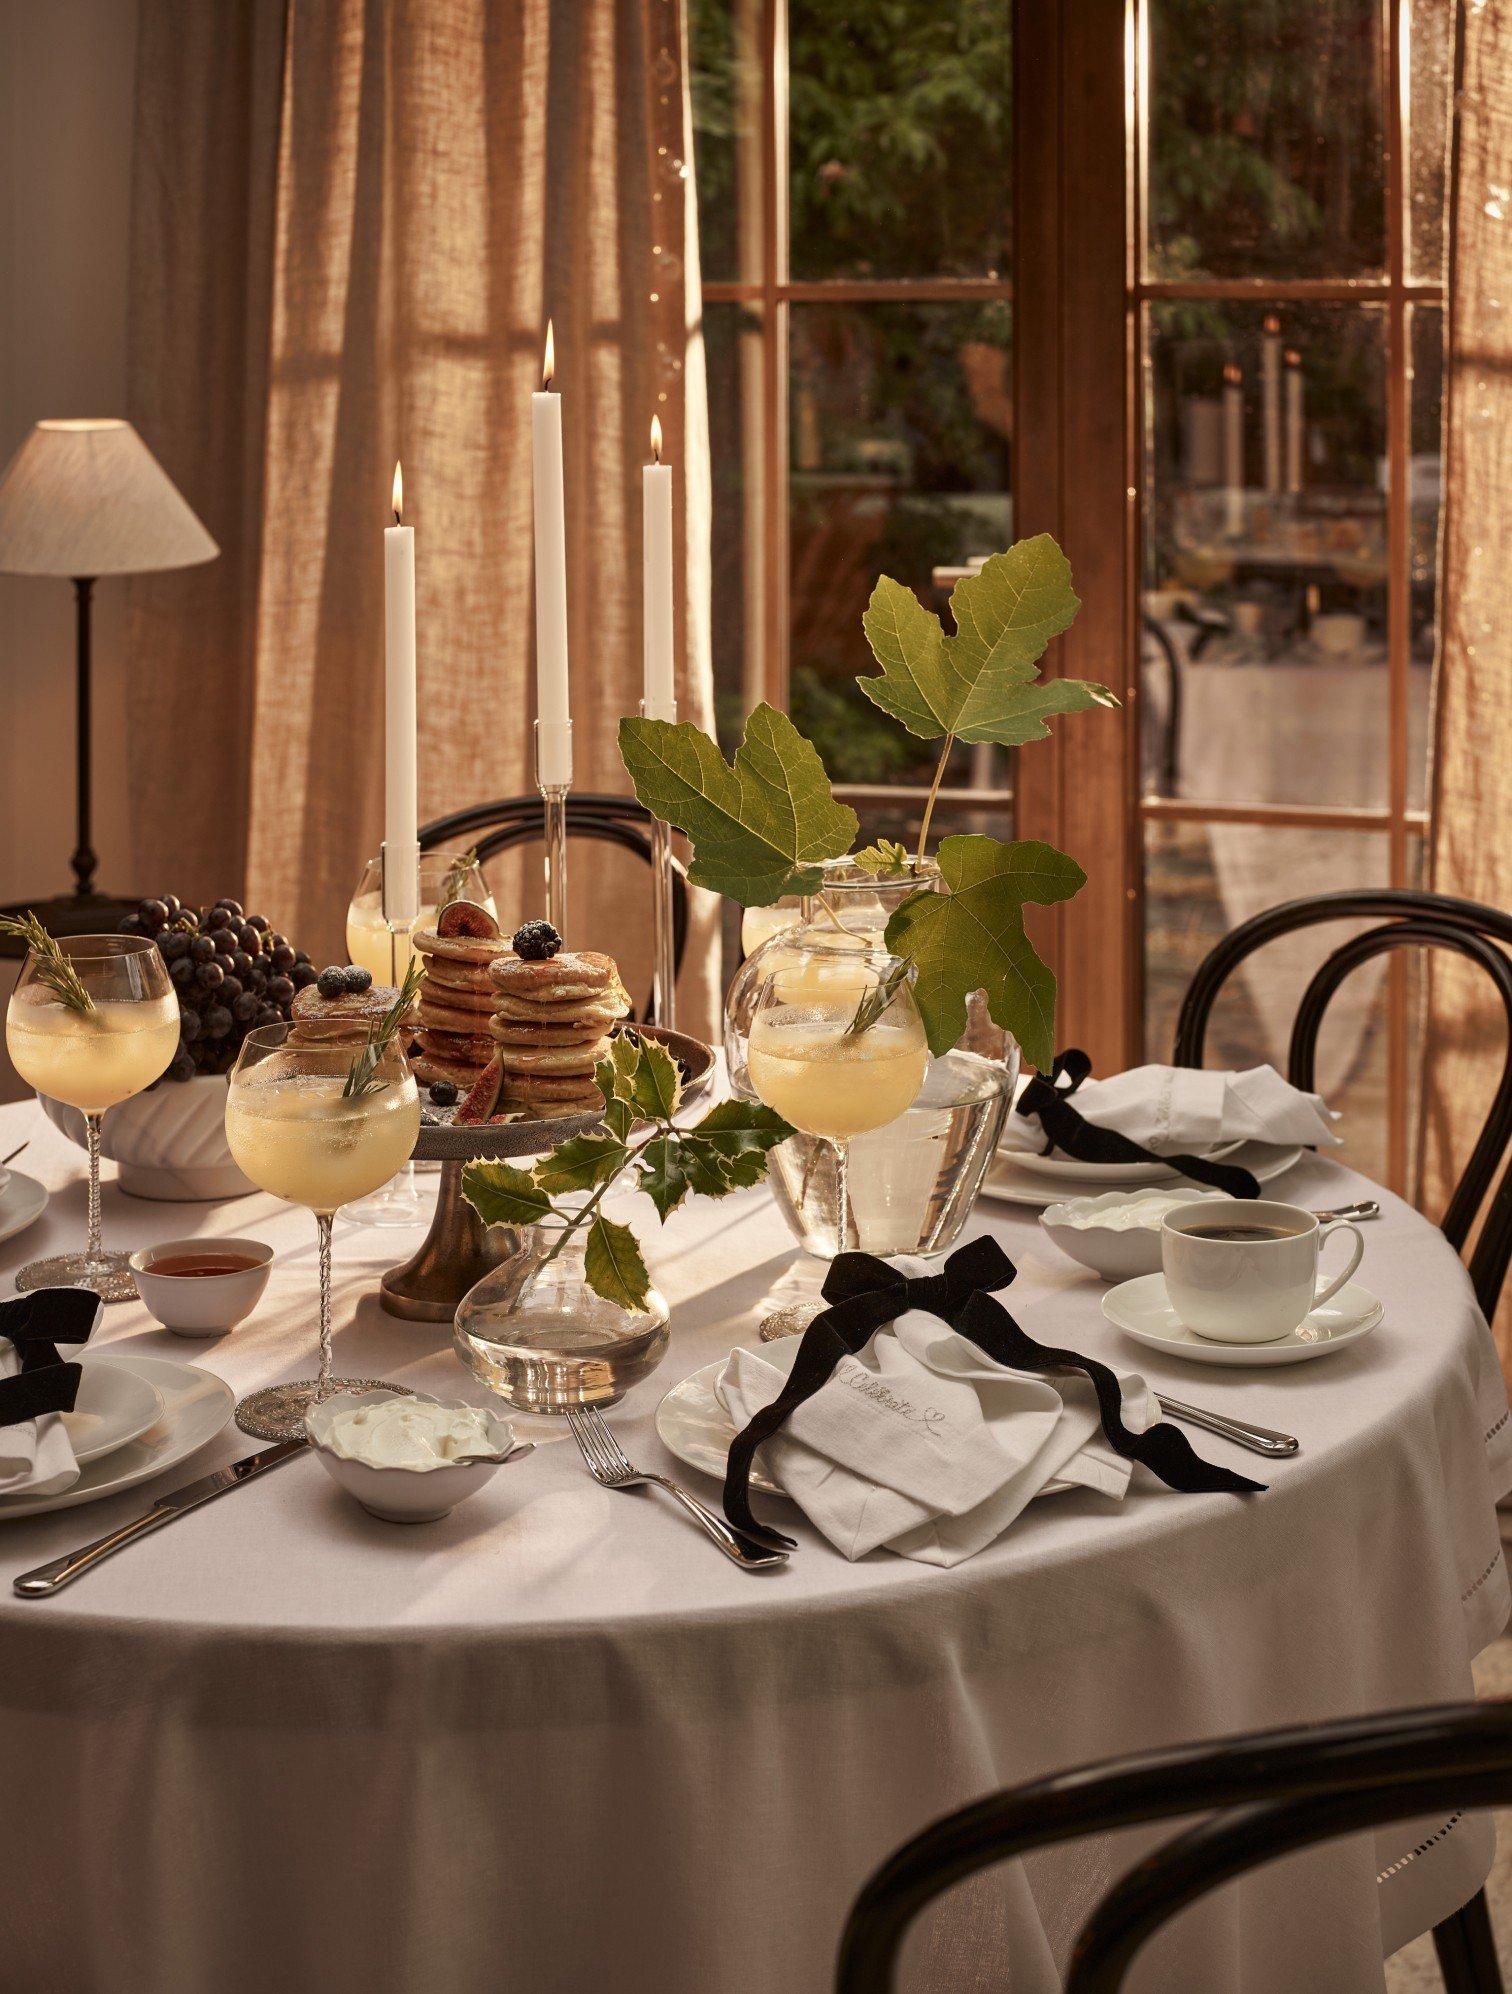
column 202, row 1287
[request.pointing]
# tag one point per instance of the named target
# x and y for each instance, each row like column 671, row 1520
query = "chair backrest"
column 515, row 820
column 1275, row 1791
column 1409, row 919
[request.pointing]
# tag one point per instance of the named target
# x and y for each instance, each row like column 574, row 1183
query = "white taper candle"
column 656, row 564
column 554, row 750
column 401, row 872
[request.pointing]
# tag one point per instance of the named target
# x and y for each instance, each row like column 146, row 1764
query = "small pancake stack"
column 314, row 1017
column 456, row 998
column 550, row 1025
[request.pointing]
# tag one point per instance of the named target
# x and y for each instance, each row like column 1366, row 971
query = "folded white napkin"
column 1185, row 1110
column 36, row 1456
column 923, row 1444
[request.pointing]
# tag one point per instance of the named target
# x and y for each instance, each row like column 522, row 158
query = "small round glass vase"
column 538, row 1335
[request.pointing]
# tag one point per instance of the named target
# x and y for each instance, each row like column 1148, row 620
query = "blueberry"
column 443, row 1093
column 331, row 981
column 537, row 941
column 357, row 980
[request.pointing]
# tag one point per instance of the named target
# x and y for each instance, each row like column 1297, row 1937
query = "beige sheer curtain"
column 1471, row 834
column 351, row 223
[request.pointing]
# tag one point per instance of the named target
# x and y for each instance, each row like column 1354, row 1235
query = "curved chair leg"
column 1466, row 1948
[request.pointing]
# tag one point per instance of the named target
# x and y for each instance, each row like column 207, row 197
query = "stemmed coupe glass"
column 317, row 1124
column 92, row 1021
column 385, row 953
column 837, row 1046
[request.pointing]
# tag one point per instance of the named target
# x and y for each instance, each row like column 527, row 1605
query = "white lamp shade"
column 89, row 498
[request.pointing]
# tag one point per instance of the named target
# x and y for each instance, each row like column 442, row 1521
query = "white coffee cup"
column 1248, row 1290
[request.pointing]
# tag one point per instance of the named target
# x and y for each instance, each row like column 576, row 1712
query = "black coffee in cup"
column 1244, row 1232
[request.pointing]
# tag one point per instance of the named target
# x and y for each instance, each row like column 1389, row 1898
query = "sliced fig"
column 466, row 917
column 484, row 1097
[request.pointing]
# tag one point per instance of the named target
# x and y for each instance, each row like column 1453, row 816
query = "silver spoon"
column 1367, row 1208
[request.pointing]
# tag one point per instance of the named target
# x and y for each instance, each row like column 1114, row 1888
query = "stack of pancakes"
column 456, row 1000
column 313, row 1017
column 550, row 1028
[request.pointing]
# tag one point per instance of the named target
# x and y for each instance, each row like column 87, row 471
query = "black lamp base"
column 68, row 914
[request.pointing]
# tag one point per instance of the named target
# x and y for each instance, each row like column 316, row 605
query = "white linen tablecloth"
column 557, row 1743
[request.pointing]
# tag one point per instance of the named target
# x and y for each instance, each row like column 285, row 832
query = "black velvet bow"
column 36, row 1324
column 1046, row 1101
column 863, row 1293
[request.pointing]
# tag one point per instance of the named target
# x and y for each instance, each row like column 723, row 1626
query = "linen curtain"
column 1471, row 822
column 351, row 223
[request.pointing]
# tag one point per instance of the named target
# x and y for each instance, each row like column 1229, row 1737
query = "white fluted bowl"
column 169, row 1143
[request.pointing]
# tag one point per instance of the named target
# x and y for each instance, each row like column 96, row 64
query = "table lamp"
column 82, row 499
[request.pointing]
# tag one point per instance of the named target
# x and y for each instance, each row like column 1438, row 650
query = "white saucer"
column 196, row 1405
column 1010, row 1178
column 22, row 1201
column 1141, row 1309
column 114, row 1405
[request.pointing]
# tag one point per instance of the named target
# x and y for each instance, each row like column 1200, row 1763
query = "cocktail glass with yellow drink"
column 837, row 1046
column 318, row 1124
column 385, row 951
column 92, row 1021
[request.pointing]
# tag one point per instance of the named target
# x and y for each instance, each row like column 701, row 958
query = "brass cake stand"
column 459, row 1249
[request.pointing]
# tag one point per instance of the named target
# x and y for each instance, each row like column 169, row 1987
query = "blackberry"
column 537, row 941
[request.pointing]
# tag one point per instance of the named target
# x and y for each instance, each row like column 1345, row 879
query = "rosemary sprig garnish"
column 876, row 1000
column 456, row 877
column 53, row 967
column 361, row 1080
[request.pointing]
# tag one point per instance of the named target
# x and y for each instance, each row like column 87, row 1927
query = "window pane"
column 900, row 138
column 724, row 77
column 1426, row 344
column 1264, row 142
column 732, row 351
column 1265, row 554
column 899, row 448
column 1430, row 54
column 1201, row 881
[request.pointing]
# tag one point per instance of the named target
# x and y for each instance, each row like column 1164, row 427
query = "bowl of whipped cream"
column 406, row 1456
column 1117, row 1235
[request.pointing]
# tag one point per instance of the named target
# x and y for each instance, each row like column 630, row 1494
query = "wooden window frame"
column 1079, row 376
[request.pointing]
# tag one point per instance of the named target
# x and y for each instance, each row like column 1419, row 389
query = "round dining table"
column 557, row 1743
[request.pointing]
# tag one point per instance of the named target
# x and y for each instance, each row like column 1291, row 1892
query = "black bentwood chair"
column 1408, row 920
column 1273, row 1792
column 517, row 820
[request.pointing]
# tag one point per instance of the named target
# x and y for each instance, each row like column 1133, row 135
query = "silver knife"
column 62, row 1571
column 1258, row 1439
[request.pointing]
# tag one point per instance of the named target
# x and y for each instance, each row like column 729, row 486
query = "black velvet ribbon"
column 1048, row 1102
column 864, row 1293
column 36, row 1324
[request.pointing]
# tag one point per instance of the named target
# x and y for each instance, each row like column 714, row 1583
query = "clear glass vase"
column 912, row 1184
column 538, row 1335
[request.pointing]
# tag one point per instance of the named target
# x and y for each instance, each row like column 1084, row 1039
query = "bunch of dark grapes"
column 231, row 974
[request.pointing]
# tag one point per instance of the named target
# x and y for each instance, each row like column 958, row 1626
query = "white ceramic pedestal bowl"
column 169, row 1143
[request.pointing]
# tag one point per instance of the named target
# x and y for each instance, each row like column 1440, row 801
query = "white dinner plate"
column 114, row 1405
column 1142, row 1309
column 694, row 1426
column 22, row 1201
column 1073, row 1170
column 196, row 1405
column 1018, row 1186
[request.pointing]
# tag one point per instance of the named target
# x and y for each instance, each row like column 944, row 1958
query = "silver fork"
column 611, row 1470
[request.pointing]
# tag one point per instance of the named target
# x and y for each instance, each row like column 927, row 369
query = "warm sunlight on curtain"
column 351, row 223
column 1471, row 835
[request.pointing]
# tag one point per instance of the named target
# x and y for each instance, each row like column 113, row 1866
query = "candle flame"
column 1293, row 357
column 398, row 494
column 548, row 366
column 656, row 439
column 1272, row 324
column 1232, row 374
